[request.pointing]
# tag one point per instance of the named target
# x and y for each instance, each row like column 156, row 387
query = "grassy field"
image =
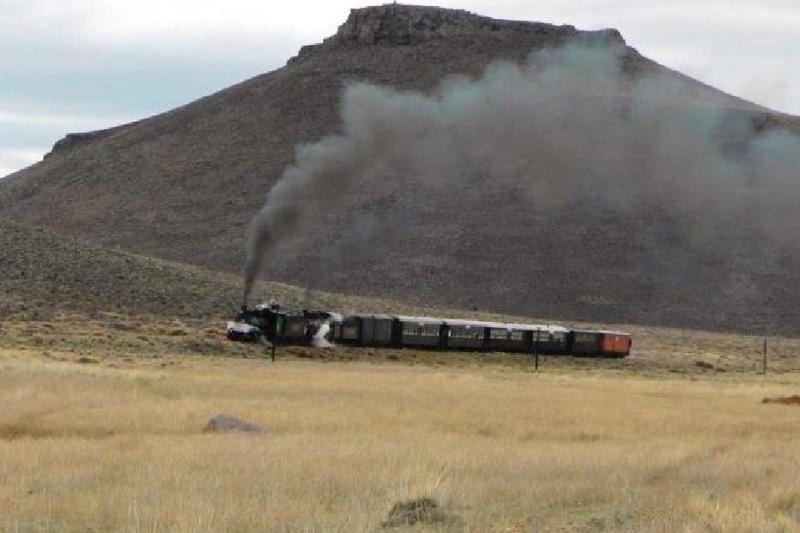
column 102, row 418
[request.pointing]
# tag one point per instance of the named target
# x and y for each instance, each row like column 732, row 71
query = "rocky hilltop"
column 183, row 186
column 403, row 25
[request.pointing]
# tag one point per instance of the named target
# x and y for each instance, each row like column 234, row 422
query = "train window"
column 466, row 333
column 420, row 331
column 515, row 336
column 498, row 334
column 295, row 327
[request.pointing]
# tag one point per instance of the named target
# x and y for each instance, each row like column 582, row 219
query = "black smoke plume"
column 570, row 123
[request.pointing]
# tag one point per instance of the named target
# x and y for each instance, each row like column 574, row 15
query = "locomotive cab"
column 266, row 320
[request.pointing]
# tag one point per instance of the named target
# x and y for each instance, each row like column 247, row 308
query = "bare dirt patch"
column 411, row 512
column 785, row 400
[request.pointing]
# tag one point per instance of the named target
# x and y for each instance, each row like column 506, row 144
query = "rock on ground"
column 223, row 423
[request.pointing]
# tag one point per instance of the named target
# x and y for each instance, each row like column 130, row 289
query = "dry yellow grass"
column 117, row 445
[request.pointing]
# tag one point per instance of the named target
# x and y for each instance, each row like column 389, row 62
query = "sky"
column 79, row 65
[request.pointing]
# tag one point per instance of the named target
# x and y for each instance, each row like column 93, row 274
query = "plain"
column 104, row 432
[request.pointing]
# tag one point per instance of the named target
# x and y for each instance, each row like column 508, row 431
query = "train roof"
column 420, row 319
column 527, row 327
column 482, row 324
column 429, row 320
column 536, row 327
column 605, row 331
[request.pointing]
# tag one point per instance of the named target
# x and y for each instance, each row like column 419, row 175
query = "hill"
column 41, row 271
column 182, row 186
column 43, row 274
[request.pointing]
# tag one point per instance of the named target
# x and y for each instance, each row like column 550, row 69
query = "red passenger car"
column 604, row 343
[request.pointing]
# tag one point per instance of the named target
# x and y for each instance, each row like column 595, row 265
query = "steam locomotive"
column 269, row 324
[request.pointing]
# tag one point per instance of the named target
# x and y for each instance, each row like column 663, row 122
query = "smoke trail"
column 320, row 337
column 569, row 128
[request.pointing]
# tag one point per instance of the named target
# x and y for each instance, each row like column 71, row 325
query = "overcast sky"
column 77, row 65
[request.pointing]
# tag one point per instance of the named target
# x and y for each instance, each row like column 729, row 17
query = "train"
column 270, row 325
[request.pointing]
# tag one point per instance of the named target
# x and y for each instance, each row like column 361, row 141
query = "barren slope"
column 43, row 274
column 41, row 271
column 183, row 185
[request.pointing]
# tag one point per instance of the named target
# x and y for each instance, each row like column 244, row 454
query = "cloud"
column 238, row 31
column 27, row 134
column 13, row 159
column 742, row 47
column 82, row 121
column 77, row 65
